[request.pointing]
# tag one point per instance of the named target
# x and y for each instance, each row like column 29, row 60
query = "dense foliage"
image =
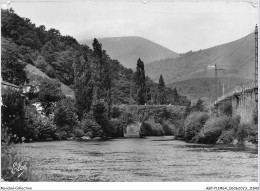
column 11, row 65
column 13, row 115
column 99, row 82
column 200, row 127
column 49, row 93
column 91, row 73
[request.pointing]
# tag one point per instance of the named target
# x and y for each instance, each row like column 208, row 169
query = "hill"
column 206, row 87
column 236, row 58
column 128, row 49
column 47, row 53
column 33, row 72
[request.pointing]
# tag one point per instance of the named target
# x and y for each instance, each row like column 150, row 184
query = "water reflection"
column 221, row 148
column 148, row 159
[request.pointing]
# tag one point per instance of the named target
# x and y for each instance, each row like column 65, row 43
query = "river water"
column 136, row 159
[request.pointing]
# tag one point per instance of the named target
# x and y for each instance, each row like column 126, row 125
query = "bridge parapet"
column 237, row 90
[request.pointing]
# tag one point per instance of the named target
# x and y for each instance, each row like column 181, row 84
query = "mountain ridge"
column 230, row 56
column 234, row 60
column 129, row 48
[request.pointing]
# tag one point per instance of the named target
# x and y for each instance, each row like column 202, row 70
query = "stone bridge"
column 241, row 101
column 142, row 112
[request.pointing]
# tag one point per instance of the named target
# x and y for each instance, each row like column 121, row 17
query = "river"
column 136, row 159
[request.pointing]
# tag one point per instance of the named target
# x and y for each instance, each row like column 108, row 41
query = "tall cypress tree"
column 161, row 84
column 176, row 96
column 103, row 74
column 97, row 48
column 139, row 79
column 83, row 83
column 161, row 97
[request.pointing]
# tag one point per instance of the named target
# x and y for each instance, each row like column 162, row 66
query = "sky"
column 179, row 26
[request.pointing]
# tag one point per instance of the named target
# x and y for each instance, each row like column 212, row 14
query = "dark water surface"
column 148, row 159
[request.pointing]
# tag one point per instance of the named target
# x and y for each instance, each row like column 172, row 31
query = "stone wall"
column 244, row 105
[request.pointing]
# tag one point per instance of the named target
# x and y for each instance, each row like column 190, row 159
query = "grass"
column 10, row 161
column 33, row 71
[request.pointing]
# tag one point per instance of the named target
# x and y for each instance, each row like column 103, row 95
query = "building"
column 5, row 85
column 32, row 85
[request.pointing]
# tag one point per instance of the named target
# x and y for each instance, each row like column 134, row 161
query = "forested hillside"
column 63, row 58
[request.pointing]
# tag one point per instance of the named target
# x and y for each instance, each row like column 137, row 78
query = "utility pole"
column 216, row 80
column 223, row 89
column 256, row 64
column 256, row 55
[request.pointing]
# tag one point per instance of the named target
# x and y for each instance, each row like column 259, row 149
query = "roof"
column 32, row 83
column 9, row 84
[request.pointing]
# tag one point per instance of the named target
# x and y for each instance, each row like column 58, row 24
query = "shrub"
column 117, row 127
column 49, row 93
column 227, row 110
column 210, row 133
column 153, row 129
column 229, row 128
column 169, row 128
column 32, row 124
column 13, row 114
column 90, row 127
column 193, row 124
column 242, row 132
column 227, row 136
column 101, row 117
column 162, row 115
column 252, row 132
column 218, row 129
column 228, row 123
column 78, row 132
column 61, row 135
column 47, row 129
column 65, row 117
column 115, row 112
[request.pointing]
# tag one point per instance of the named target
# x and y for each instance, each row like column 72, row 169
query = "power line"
column 230, row 54
column 250, row 59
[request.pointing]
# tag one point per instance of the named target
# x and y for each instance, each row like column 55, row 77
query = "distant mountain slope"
column 33, row 71
column 237, row 57
column 196, row 88
column 191, row 71
column 128, row 49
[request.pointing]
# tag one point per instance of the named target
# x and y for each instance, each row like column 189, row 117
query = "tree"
column 13, row 114
column 65, row 60
column 98, row 69
column 65, row 113
column 84, row 85
column 103, row 76
column 176, row 96
column 101, row 117
column 12, row 68
column 161, row 84
column 199, row 106
column 65, row 117
column 161, row 97
column 139, row 80
column 49, row 94
column 97, row 48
